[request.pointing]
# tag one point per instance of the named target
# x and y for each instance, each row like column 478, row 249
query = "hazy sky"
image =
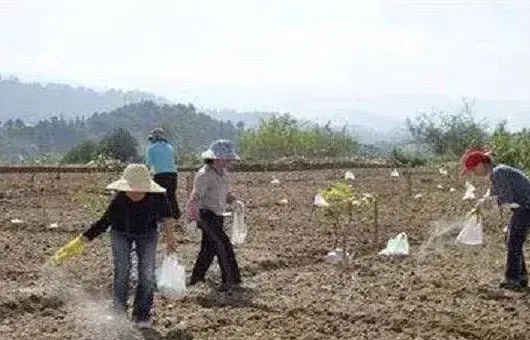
column 273, row 54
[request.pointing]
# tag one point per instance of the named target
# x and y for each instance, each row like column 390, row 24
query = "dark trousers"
column 517, row 231
column 215, row 242
column 168, row 180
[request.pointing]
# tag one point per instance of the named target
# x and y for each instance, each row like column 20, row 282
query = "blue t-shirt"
column 510, row 185
column 161, row 157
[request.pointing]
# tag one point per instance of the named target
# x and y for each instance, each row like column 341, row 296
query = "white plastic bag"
column 319, row 201
column 396, row 246
column 472, row 232
column 239, row 226
column 172, row 277
column 349, row 176
column 336, row 256
column 284, row 201
column 394, row 173
column 470, row 192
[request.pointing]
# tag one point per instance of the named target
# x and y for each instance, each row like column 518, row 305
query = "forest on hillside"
column 190, row 129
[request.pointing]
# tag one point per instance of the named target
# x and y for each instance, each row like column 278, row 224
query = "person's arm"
column 200, row 185
column 231, row 195
column 78, row 244
column 100, row 226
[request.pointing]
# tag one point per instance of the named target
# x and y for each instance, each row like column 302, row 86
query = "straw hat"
column 135, row 178
column 220, row 149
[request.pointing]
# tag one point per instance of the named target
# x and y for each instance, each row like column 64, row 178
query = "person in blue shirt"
column 161, row 159
column 511, row 187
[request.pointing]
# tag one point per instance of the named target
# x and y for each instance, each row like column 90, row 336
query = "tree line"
column 449, row 134
column 121, row 135
column 53, row 138
column 276, row 137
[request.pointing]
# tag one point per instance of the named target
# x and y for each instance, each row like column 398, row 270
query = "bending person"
column 508, row 186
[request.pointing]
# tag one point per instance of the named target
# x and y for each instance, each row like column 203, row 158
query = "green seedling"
column 343, row 204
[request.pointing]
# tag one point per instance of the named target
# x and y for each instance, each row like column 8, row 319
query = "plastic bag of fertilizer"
column 319, row 201
column 171, row 277
column 397, row 246
column 239, row 226
column 472, row 232
column 336, row 256
column 470, row 192
column 349, row 176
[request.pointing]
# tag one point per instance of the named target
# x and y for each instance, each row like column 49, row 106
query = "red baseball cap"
column 471, row 159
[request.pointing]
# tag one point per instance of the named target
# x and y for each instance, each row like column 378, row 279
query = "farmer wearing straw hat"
column 206, row 205
column 508, row 186
column 133, row 213
column 160, row 158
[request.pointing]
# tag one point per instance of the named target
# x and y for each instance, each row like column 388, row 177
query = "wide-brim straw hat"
column 135, row 178
column 221, row 149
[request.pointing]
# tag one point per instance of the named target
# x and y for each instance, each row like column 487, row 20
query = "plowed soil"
column 441, row 291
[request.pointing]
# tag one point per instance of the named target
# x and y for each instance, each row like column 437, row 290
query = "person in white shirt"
column 207, row 203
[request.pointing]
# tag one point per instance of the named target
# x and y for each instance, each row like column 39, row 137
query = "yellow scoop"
column 72, row 248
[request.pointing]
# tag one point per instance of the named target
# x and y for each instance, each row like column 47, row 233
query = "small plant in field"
column 342, row 206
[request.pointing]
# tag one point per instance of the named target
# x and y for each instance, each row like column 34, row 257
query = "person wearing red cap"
column 508, row 186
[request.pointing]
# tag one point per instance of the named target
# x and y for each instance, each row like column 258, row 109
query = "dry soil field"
column 444, row 291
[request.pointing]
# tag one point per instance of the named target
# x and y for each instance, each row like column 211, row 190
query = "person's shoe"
column 524, row 283
column 513, row 286
column 233, row 287
column 144, row 324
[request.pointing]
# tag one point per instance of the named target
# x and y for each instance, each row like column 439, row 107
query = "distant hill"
column 191, row 130
column 34, row 101
column 52, row 117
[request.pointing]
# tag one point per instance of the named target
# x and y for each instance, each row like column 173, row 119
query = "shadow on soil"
column 236, row 299
column 175, row 334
